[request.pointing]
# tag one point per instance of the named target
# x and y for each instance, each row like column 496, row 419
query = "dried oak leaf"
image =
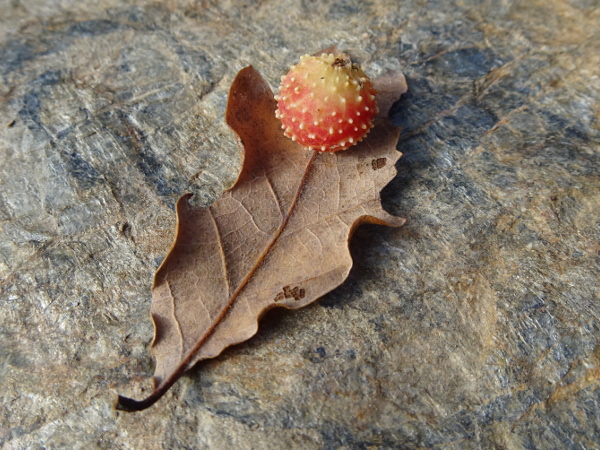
column 278, row 237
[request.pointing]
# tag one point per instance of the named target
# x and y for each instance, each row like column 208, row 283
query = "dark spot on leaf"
column 297, row 293
column 378, row 163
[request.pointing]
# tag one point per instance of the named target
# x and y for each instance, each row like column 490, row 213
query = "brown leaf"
column 279, row 237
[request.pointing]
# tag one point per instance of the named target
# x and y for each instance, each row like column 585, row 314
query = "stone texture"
column 476, row 325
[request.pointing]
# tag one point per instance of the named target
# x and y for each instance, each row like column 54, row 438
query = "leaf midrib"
column 183, row 365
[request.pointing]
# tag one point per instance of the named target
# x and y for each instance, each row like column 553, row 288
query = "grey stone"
column 476, row 325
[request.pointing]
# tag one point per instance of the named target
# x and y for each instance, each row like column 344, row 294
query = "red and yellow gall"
column 326, row 103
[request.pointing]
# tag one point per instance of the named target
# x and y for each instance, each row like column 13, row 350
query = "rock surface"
column 475, row 325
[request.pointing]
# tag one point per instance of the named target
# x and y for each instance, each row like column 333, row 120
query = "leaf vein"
column 176, row 319
column 221, row 250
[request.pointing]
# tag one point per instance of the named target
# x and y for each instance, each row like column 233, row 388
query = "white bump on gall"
column 350, row 121
column 301, row 126
column 311, row 136
column 330, row 130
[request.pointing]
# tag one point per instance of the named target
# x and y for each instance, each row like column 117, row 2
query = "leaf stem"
column 130, row 405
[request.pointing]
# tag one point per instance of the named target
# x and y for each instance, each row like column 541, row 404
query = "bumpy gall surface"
column 326, row 103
